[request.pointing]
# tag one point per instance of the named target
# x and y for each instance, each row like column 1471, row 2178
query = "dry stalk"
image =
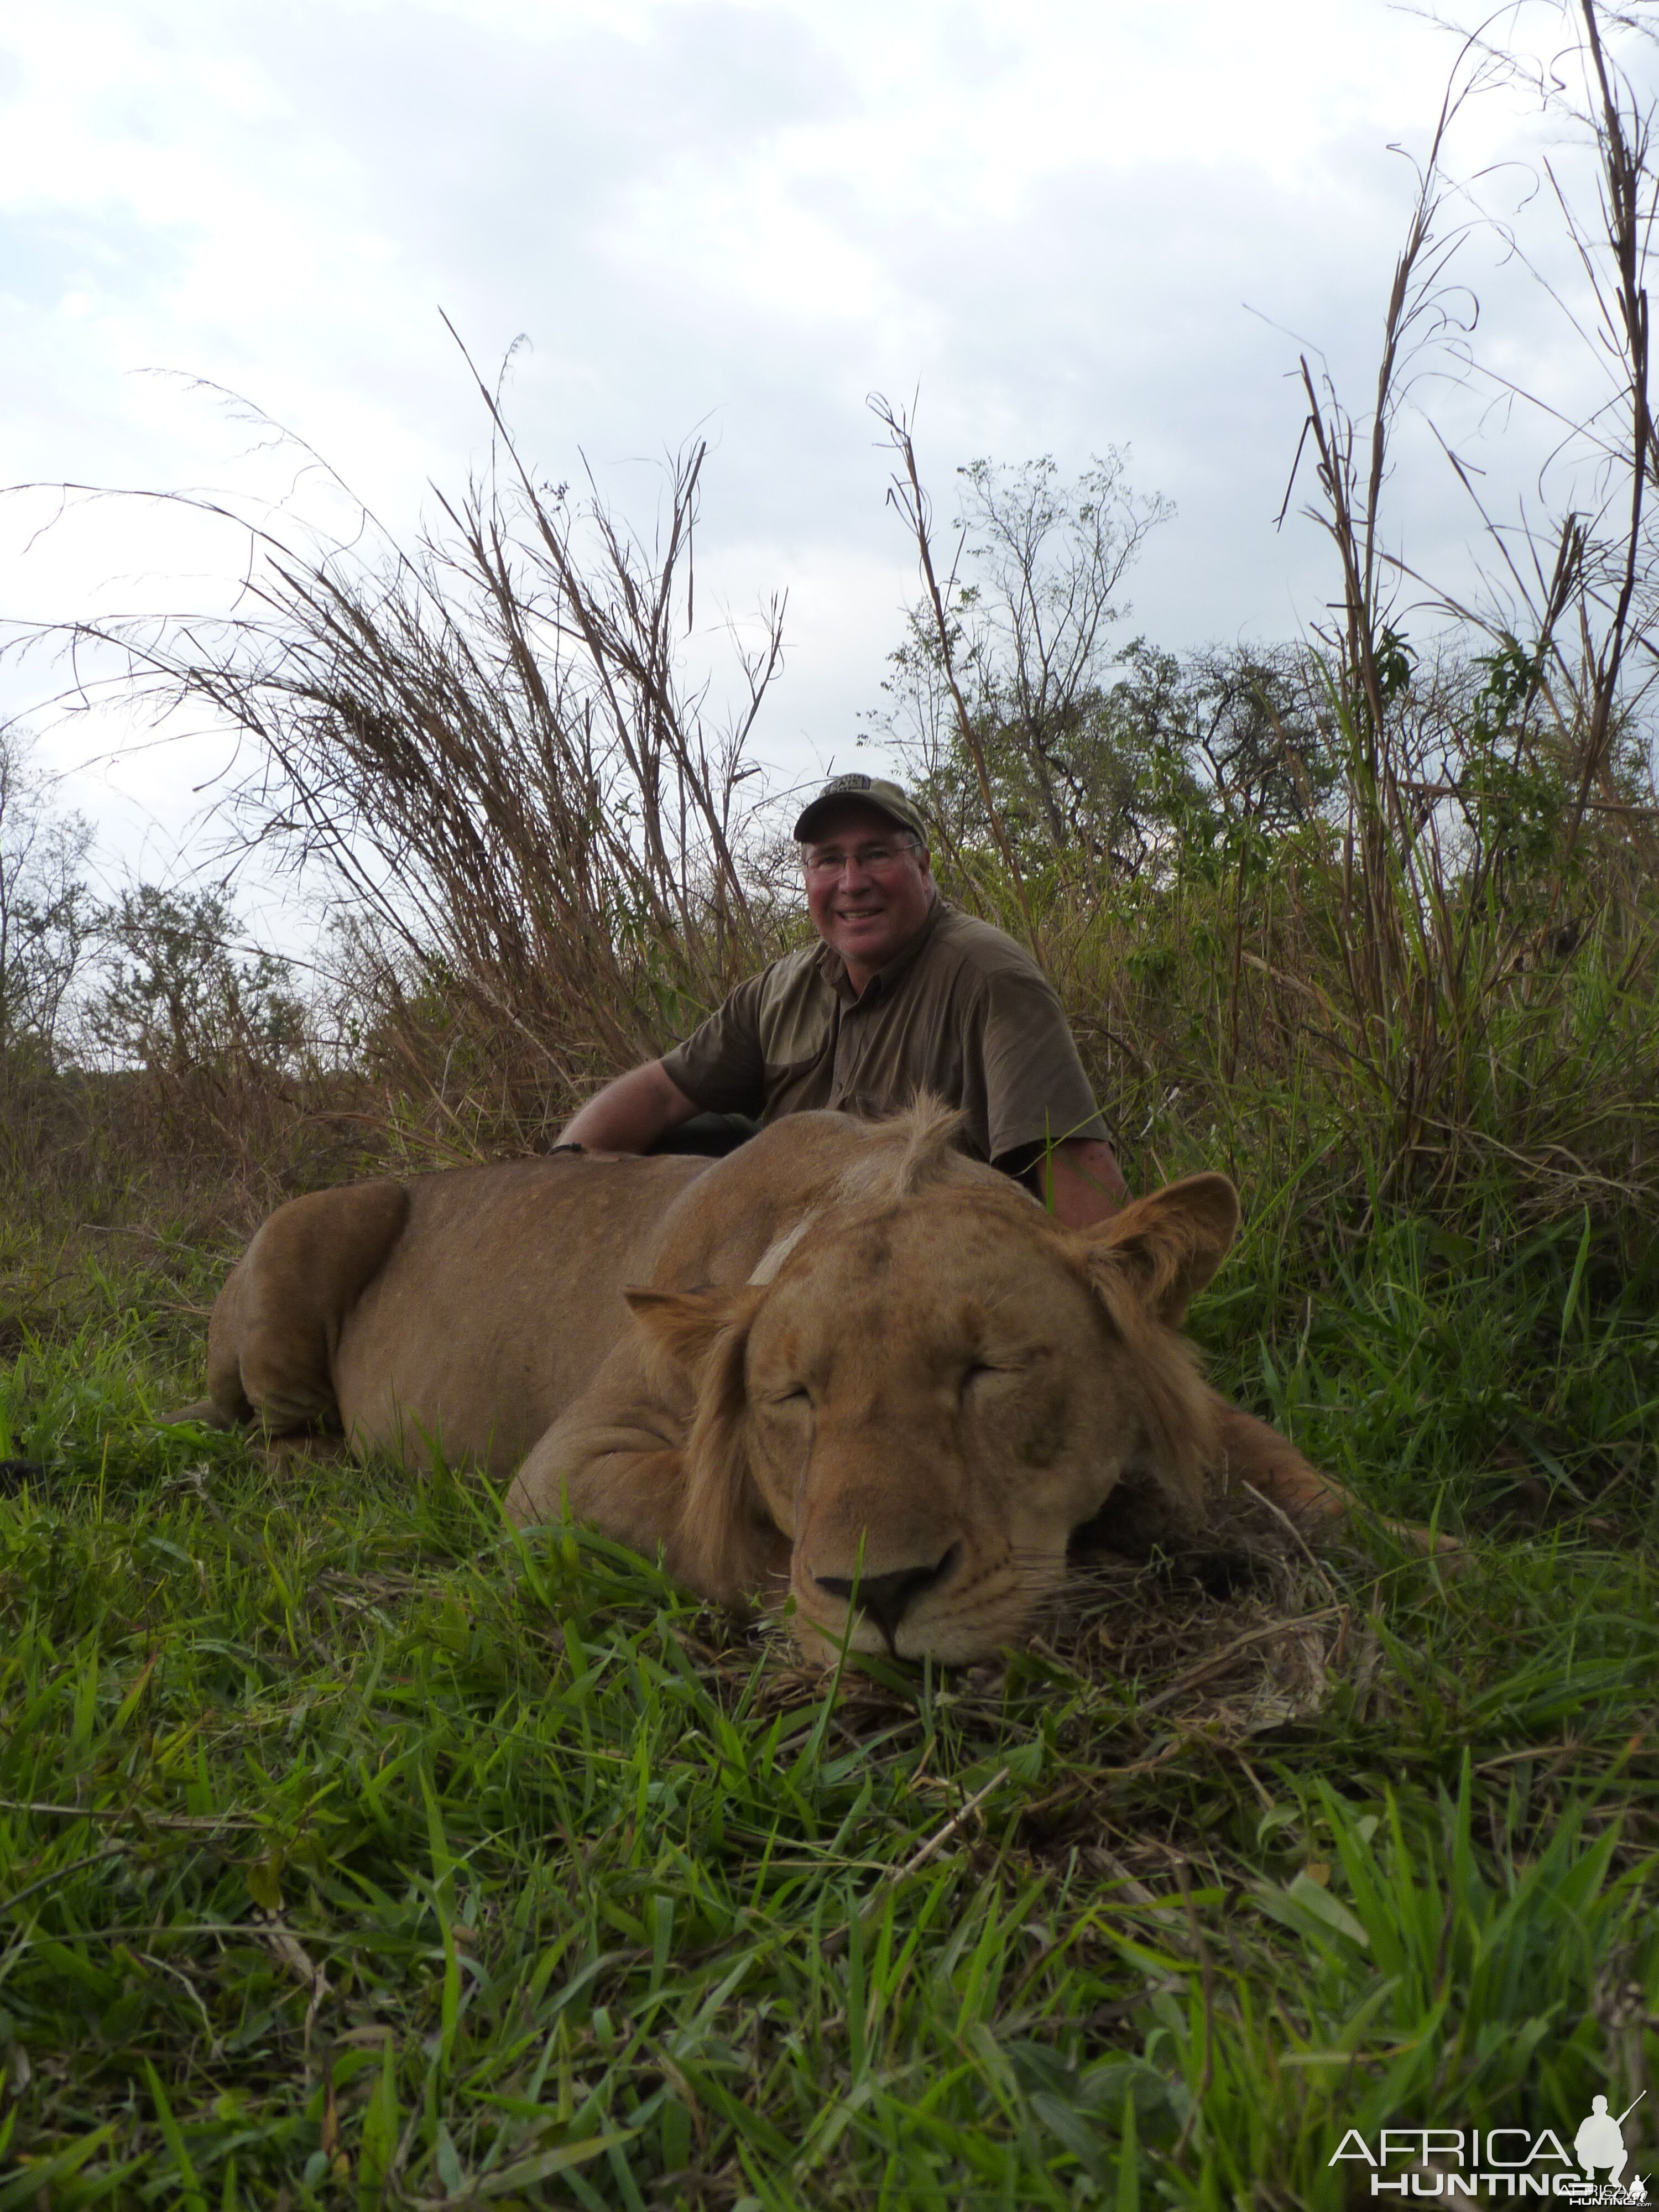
column 906, row 494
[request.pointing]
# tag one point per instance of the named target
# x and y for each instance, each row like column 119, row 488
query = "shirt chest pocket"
column 794, row 1040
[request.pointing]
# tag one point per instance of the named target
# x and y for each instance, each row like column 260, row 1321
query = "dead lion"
column 863, row 1370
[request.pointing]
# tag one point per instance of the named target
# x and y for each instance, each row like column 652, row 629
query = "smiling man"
column 904, row 994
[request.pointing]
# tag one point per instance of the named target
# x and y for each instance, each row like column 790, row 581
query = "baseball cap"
column 874, row 791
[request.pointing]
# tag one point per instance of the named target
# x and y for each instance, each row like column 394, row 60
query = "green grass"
column 355, row 1851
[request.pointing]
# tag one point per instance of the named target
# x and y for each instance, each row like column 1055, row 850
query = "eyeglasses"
column 824, row 863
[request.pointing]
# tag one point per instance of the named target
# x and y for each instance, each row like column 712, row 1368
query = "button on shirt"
column 963, row 1012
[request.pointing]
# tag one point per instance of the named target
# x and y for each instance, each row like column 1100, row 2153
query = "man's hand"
column 1080, row 1183
column 629, row 1114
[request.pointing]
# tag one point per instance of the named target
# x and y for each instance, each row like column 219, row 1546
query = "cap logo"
column 852, row 782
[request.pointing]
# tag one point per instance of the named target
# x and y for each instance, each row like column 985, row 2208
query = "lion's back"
column 499, row 1300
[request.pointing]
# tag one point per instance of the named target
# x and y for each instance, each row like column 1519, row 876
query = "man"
column 903, row 993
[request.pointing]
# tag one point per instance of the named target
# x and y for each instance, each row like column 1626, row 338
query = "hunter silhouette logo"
column 1600, row 2142
column 1497, row 2165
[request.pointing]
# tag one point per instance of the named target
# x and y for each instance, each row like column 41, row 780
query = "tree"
column 180, row 996
column 48, row 917
column 1031, row 732
column 1024, row 642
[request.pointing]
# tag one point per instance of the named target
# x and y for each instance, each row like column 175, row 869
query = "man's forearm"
column 1081, row 1182
column 629, row 1114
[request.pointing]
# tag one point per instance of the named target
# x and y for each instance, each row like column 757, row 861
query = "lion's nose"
column 887, row 1598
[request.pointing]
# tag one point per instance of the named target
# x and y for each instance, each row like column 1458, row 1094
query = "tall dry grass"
column 536, row 826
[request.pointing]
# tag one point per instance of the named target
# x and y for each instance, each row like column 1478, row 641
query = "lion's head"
column 926, row 1389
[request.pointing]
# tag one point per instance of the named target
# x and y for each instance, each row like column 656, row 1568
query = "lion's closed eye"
column 986, row 1373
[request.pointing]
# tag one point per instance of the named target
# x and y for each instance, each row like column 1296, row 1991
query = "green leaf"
column 1306, row 1902
column 192, row 2197
column 547, row 2163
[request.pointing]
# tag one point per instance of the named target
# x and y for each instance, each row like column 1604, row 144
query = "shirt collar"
column 885, row 980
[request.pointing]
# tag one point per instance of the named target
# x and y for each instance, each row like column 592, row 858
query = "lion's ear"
column 687, row 1324
column 1162, row 1250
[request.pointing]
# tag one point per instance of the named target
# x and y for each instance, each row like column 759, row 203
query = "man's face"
column 868, row 888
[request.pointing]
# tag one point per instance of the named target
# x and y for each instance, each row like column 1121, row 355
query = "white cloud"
column 1049, row 220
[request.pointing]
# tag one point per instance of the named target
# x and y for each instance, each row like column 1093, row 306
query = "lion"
column 845, row 1366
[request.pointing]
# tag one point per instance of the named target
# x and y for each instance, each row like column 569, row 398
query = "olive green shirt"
column 961, row 1011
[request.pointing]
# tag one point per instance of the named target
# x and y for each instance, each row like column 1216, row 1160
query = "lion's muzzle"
column 887, row 1598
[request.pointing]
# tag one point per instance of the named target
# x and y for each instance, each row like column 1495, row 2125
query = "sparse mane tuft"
column 912, row 1151
column 930, row 1130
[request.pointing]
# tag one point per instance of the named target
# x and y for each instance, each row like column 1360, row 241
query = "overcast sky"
column 1064, row 225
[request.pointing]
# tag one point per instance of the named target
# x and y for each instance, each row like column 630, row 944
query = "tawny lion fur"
column 846, row 1364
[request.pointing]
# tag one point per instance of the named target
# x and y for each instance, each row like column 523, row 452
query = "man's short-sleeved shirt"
column 962, row 1011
